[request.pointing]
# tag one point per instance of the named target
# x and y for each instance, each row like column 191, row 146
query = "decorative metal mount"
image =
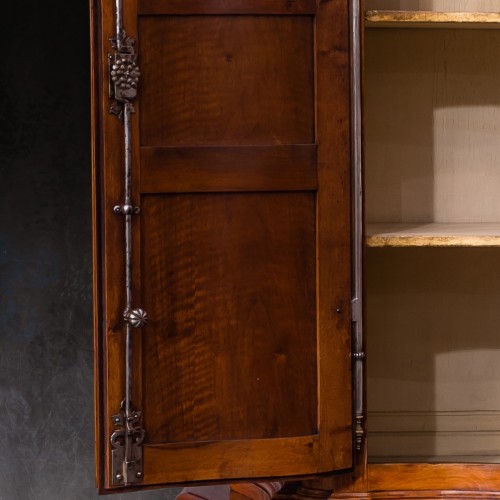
column 136, row 318
column 127, row 439
column 126, row 443
column 359, row 432
column 126, row 210
column 123, row 73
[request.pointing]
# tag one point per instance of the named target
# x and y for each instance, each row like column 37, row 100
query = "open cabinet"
column 222, row 240
column 432, row 170
column 235, row 274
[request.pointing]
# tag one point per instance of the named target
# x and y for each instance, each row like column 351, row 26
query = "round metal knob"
column 136, row 317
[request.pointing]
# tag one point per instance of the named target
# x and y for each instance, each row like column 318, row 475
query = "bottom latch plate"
column 126, row 449
column 126, row 472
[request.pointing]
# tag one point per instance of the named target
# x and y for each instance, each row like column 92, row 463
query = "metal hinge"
column 359, row 432
column 356, row 317
column 126, row 453
column 356, row 310
column 358, row 357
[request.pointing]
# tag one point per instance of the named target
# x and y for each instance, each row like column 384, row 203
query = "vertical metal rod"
column 128, row 275
column 356, row 117
column 119, row 24
column 128, row 201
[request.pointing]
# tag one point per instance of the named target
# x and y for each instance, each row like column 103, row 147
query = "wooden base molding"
column 424, row 481
column 432, row 477
column 420, row 495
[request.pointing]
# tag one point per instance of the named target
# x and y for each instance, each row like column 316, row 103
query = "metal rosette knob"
column 136, row 318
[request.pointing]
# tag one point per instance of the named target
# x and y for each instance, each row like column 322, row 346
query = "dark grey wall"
column 46, row 386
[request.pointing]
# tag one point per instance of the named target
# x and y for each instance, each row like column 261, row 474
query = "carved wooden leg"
column 316, row 489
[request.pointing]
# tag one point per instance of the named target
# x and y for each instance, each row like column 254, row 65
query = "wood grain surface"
column 418, row 495
column 237, row 168
column 176, row 7
column 257, row 457
column 241, row 251
column 229, row 282
column 472, row 477
column 97, row 244
column 334, row 232
column 213, row 87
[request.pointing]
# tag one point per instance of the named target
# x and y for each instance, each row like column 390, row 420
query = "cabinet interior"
column 433, row 234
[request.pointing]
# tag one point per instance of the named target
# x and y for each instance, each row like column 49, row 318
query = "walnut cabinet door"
column 222, row 240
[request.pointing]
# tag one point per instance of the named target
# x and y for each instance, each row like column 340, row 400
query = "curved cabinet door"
column 231, row 233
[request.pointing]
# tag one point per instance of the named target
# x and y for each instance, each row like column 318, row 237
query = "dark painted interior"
column 46, row 374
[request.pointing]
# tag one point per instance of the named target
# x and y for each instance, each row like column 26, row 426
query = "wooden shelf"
column 428, row 19
column 433, row 235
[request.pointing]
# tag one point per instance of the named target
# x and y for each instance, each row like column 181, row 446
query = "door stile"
column 122, row 416
column 96, row 155
column 113, row 296
column 333, row 229
column 357, row 481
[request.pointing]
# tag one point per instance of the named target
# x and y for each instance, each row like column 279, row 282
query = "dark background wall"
column 46, row 378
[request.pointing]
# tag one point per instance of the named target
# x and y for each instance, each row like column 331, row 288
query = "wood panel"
column 418, row 495
column 229, row 282
column 226, row 80
column 476, row 477
column 334, row 234
column 263, row 457
column 176, row 7
column 242, row 168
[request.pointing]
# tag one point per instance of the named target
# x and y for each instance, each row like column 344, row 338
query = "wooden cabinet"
column 432, row 168
column 222, row 240
column 228, row 202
